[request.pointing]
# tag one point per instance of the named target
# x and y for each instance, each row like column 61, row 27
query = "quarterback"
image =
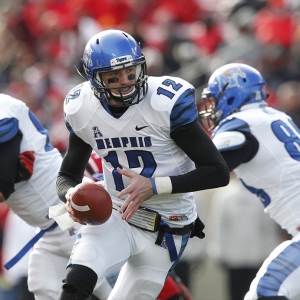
column 154, row 154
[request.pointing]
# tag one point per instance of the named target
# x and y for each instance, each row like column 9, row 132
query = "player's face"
column 121, row 81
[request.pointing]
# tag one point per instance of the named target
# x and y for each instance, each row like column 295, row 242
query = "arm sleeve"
column 73, row 165
column 211, row 170
column 9, row 164
column 241, row 155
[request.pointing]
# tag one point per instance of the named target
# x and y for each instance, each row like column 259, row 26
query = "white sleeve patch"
column 229, row 140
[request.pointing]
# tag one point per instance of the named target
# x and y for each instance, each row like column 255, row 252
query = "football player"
column 262, row 146
column 154, row 154
column 28, row 170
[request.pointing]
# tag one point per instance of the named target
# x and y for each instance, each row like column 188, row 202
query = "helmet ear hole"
column 230, row 100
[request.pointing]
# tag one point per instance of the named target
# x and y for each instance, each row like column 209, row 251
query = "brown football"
column 91, row 203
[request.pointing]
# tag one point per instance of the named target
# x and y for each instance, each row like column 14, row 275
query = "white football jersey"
column 139, row 140
column 274, row 172
column 32, row 198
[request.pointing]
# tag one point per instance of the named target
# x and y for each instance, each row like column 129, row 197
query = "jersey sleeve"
column 211, row 170
column 232, row 124
column 69, row 127
column 229, row 140
column 71, row 174
column 9, row 128
column 233, row 138
column 184, row 110
column 77, row 106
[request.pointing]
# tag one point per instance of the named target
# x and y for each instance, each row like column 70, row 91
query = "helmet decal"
column 87, row 57
column 232, row 77
column 127, row 59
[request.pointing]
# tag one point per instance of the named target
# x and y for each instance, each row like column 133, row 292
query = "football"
column 91, row 203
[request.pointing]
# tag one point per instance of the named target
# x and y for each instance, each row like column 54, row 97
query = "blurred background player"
column 16, row 234
column 233, row 211
column 261, row 145
column 29, row 189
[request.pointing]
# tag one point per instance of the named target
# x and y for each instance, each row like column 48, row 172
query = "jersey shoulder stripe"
column 174, row 97
column 185, row 110
column 9, row 127
column 232, row 124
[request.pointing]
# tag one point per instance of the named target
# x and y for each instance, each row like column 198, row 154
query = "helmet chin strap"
column 222, row 91
column 80, row 73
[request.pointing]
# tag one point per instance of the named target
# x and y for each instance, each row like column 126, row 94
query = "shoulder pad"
column 75, row 99
column 73, row 94
column 229, row 140
column 175, row 98
column 9, row 127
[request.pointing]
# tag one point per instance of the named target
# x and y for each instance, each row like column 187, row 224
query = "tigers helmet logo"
column 87, row 57
column 232, row 77
column 124, row 61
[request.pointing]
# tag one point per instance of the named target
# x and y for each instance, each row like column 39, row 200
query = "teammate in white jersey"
column 28, row 170
column 154, row 153
column 262, row 146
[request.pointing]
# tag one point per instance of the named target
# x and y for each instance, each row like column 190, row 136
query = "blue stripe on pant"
column 278, row 270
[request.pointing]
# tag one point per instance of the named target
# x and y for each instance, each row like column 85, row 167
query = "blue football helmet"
column 113, row 50
column 229, row 88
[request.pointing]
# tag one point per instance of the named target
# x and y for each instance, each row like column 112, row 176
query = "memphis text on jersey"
column 120, row 142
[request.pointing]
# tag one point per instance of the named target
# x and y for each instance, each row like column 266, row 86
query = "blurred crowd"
column 42, row 42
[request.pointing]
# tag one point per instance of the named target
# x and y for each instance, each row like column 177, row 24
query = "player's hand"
column 69, row 208
column 25, row 170
column 139, row 190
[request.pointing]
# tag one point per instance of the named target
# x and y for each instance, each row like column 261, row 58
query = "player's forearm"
column 72, row 168
column 206, row 177
column 241, row 155
column 211, row 171
column 63, row 184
